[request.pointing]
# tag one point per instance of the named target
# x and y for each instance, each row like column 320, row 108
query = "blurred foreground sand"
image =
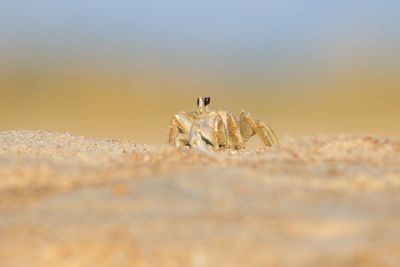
column 311, row 201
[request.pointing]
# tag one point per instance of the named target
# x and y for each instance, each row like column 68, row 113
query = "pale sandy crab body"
column 216, row 130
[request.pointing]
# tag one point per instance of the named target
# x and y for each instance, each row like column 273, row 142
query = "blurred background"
column 123, row 68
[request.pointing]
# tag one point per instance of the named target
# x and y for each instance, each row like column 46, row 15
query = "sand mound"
column 312, row 201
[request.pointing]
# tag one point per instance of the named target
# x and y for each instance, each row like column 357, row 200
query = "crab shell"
column 217, row 130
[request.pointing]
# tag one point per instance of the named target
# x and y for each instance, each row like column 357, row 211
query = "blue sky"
column 267, row 30
column 197, row 20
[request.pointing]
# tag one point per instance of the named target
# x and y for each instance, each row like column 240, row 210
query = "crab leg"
column 226, row 131
column 220, row 132
column 234, row 132
column 250, row 126
column 179, row 129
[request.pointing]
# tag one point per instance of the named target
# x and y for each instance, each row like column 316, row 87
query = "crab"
column 216, row 130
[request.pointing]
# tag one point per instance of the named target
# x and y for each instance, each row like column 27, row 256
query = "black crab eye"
column 198, row 101
column 207, row 101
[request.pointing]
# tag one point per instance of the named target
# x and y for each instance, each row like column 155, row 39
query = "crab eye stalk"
column 207, row 101
column 202, row 103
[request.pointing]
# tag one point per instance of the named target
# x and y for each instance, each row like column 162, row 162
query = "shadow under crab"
column 216, row 130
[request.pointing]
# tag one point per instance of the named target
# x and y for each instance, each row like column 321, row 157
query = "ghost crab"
column 216, row 130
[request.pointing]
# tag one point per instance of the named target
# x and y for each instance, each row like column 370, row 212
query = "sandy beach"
column 311, row 201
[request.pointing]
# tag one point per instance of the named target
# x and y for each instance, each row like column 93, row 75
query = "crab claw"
column 196, row 140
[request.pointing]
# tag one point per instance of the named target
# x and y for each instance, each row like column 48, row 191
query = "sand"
column 311, row 201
